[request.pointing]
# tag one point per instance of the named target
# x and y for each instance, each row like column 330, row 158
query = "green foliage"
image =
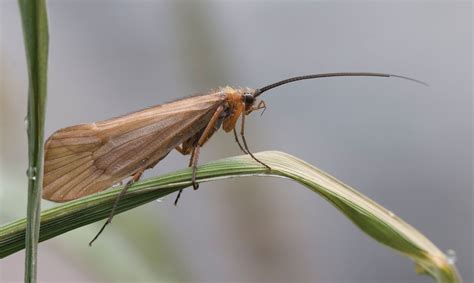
column 370, row 217
column 35, row 32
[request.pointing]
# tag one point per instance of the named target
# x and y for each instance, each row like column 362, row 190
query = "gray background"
column 406, row 146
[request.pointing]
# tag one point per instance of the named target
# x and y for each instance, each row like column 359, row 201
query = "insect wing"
column 88, row 158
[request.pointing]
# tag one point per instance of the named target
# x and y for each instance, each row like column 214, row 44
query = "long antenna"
column 327, row 75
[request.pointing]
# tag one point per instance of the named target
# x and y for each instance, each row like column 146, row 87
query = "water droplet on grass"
column 31, row 173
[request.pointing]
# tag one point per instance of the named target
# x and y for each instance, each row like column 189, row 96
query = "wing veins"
column 69, row 142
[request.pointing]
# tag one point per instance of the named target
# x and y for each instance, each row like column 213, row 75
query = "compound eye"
column 248, row 98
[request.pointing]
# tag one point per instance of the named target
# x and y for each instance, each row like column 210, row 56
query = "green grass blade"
column 373, row 219
column 35, row 33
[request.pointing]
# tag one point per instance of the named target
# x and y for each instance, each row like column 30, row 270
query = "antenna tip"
column 410, row 79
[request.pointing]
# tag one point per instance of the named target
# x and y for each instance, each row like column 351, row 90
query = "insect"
column 88, row 158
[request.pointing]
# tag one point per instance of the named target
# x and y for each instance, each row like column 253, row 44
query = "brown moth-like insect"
column 88, row 158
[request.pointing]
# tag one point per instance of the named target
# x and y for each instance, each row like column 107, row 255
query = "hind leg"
column 135, row 178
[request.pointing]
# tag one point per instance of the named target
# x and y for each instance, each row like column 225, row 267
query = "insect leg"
column 242, row 130
column 194, row 161
column 135, row 177
column 209, row 130
column 204, row 137
column 238, row 142
column 261, row 105
column 189, row 165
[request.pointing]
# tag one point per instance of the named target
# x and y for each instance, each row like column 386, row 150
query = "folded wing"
column 88, row 158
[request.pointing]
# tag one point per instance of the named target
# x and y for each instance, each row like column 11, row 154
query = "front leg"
column 208, row 131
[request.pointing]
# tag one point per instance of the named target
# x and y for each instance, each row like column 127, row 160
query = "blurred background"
column 406, row 146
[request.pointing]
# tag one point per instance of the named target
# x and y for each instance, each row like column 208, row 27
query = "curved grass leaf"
column 35, row 34
column 379, row 223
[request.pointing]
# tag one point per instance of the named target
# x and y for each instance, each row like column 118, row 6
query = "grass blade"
column 370, row 217
column 35, row 33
